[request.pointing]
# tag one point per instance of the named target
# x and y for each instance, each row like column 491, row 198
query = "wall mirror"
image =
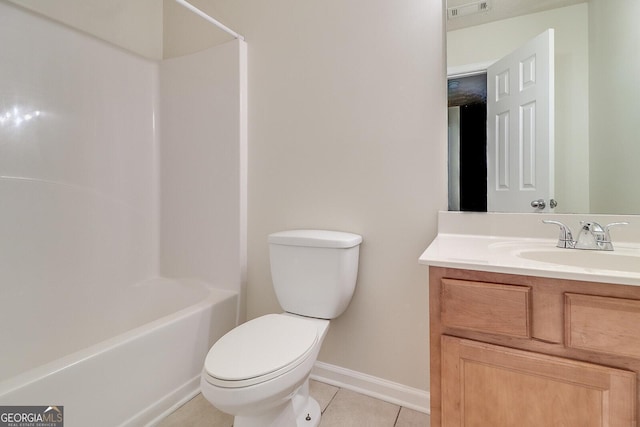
column 597, row 92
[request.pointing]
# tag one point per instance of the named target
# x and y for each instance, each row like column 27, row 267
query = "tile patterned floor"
column 340, row 408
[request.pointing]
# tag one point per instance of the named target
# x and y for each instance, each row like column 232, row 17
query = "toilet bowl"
column 259, row 371
column 258, row 383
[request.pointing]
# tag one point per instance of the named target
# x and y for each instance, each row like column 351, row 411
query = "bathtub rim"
column 31, row 376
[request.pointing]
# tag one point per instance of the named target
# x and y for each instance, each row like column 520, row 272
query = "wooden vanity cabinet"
column 510, row 350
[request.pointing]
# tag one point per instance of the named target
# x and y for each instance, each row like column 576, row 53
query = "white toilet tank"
column 314, row 271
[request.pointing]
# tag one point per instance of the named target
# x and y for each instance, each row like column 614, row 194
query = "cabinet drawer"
column 602, row 324
column 486, row 307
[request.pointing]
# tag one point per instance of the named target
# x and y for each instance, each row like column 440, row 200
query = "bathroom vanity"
column 520, row 341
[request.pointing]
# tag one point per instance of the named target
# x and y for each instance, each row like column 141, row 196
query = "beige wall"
column 615, row 103
column 134, row 25
column 491, row 41
column 185, row 32
column 155, row 29
column 347, row 131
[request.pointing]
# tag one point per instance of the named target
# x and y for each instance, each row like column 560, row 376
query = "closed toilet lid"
column 267, row 346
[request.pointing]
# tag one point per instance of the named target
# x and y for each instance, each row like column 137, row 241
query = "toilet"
column 259, row 371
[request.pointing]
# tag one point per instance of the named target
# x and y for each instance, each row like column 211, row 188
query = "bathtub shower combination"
column 138, row 354
column 122, row 182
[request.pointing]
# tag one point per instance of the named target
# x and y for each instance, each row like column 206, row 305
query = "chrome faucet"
column 592, row 236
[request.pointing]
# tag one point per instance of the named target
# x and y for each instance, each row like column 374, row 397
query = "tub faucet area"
column 592, row 236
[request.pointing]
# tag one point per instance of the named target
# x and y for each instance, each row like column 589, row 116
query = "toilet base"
column 301, row 410
column 310, row 417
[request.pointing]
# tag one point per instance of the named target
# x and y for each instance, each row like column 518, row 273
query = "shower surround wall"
column 78, row 182
column 203, row 181
column 88, row 207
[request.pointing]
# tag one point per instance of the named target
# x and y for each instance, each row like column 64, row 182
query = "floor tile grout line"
column 397, row 416
column 330, row 401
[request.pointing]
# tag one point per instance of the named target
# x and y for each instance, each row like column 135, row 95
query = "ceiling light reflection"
column 16, row 117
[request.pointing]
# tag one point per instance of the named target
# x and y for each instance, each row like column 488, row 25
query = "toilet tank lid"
column 316, row 238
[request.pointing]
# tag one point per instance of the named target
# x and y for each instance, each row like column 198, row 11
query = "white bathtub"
column 112, row 359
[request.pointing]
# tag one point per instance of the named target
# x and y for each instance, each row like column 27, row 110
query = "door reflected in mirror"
column 597, row 96
column 510, row 132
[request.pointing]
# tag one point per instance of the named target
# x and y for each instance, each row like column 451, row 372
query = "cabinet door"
column 487, row 385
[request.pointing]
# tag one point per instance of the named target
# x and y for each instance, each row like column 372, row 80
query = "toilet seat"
column 260, row 350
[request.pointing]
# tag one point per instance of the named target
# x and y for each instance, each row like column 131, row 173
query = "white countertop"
column 511, row 255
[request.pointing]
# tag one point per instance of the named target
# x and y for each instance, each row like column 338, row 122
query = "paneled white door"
column 520, row 128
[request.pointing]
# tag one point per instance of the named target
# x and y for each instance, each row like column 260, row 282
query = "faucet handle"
column 607, row 236
column 606, row 228
column 565, row 239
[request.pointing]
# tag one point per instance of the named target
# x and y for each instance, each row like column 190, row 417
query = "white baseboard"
column 388, row 391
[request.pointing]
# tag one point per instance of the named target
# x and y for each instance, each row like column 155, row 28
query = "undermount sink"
column 597, row 260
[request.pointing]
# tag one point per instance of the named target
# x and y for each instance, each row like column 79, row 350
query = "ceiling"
column 502, row 9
